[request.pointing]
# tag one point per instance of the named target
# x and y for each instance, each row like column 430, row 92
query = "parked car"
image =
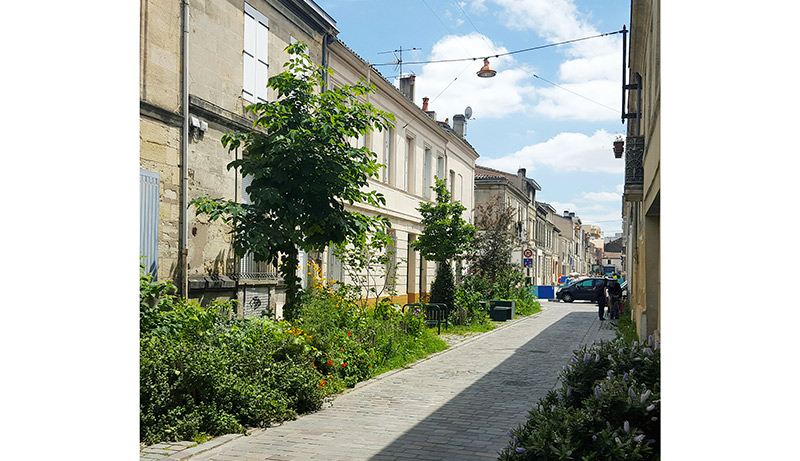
column 581, row 289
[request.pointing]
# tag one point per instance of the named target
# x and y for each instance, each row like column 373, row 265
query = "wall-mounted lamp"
column 201, row 125
column 486, row 71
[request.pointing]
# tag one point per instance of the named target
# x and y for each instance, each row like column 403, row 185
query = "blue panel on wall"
column 148, row 220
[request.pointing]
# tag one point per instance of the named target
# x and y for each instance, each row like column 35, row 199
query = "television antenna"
column 398, row 59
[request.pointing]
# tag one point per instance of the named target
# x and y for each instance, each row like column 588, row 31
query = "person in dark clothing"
column 600, row 293
column 615, row 295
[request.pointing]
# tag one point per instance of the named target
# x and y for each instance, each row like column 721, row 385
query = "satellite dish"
column 468, row 112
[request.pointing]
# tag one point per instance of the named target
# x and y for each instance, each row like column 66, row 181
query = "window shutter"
column 246, row 182
column 148, row 219
column 262, row 64
column 254, row 55
column 249, row 55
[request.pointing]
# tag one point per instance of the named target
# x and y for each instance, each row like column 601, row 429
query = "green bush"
column 202, row 372
column 607, row 408
column 352, row 343
column 444, row 287
column 508, row 284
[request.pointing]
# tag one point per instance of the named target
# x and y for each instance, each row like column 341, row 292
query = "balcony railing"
column 249, row 268
column 634, row 168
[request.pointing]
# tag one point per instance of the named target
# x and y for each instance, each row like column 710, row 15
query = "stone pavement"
column 457, row 404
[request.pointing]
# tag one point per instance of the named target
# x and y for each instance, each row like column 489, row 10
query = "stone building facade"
column 201, row 64
column 642, row 193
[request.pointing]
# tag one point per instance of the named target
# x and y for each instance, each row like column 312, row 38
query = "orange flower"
column 344, row 364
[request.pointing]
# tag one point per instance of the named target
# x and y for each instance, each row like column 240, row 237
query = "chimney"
column 459, row 124
column 431, row 113
column 566, row 213
column 572, row 214
column 521, row 172
column 407, row 86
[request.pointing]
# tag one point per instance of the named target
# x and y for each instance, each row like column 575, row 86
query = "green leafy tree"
column 445, row 236
column 303, row 170
column 494, row 241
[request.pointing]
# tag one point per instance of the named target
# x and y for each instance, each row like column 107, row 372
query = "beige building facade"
column 417, row 150
column 641, row 199
column 201, row 64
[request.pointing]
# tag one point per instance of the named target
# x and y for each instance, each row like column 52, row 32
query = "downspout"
column 183, row 236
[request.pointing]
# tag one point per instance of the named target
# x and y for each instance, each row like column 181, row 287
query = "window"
column 387, row 155
column 452, row 185
column 440, row 167
column 426, row 174
column 254, row 55
column 408, row 178
column 148, row 220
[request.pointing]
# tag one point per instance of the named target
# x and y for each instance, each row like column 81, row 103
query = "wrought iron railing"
column 249, row 268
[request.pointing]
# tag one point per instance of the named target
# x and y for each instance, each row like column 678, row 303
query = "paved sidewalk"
column 457, row 404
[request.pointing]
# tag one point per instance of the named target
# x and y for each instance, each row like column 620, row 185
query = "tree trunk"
column 289, row 272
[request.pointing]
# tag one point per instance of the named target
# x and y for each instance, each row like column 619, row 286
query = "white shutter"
column 254, row 55
column 246, row 181
column 248, row 55
column 262, row 64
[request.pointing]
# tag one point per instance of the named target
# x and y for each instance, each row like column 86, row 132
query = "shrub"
column 608, row 407
column 201, row 372
column 443, row 288
column 352, row 343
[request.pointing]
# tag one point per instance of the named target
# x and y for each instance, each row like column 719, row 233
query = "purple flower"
column 624, row 377
column 587, row 357
column 597, row 392
column 638, row 438
column 626, row 426
column 650, row 407
column 574, row 360
column 594, row 438
column 631, row 393
column 609, row 373
column 520, row 450
column 596, row 357
column 645, row 396
column 635, row 343
column 648, row 352
column 569, row 391
column 650, row 340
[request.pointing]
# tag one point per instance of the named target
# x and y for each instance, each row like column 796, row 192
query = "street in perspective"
column 458, row 404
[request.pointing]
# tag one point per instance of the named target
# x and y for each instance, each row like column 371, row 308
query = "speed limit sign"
column 527, row 253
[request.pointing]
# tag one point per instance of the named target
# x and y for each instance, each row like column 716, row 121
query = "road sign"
column 527, row 262
column 527, row 253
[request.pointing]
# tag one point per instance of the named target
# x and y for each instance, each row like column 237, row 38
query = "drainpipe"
column 183, row 235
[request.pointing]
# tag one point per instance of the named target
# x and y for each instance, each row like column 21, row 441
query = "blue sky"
column 553, row 111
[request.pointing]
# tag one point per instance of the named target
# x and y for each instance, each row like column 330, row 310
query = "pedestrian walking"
column 615, row 299
column 600, row 293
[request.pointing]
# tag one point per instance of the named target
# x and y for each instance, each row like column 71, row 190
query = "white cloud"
column 593, row 69
column 564, row 152
column 452, row 86
column 601, row 196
